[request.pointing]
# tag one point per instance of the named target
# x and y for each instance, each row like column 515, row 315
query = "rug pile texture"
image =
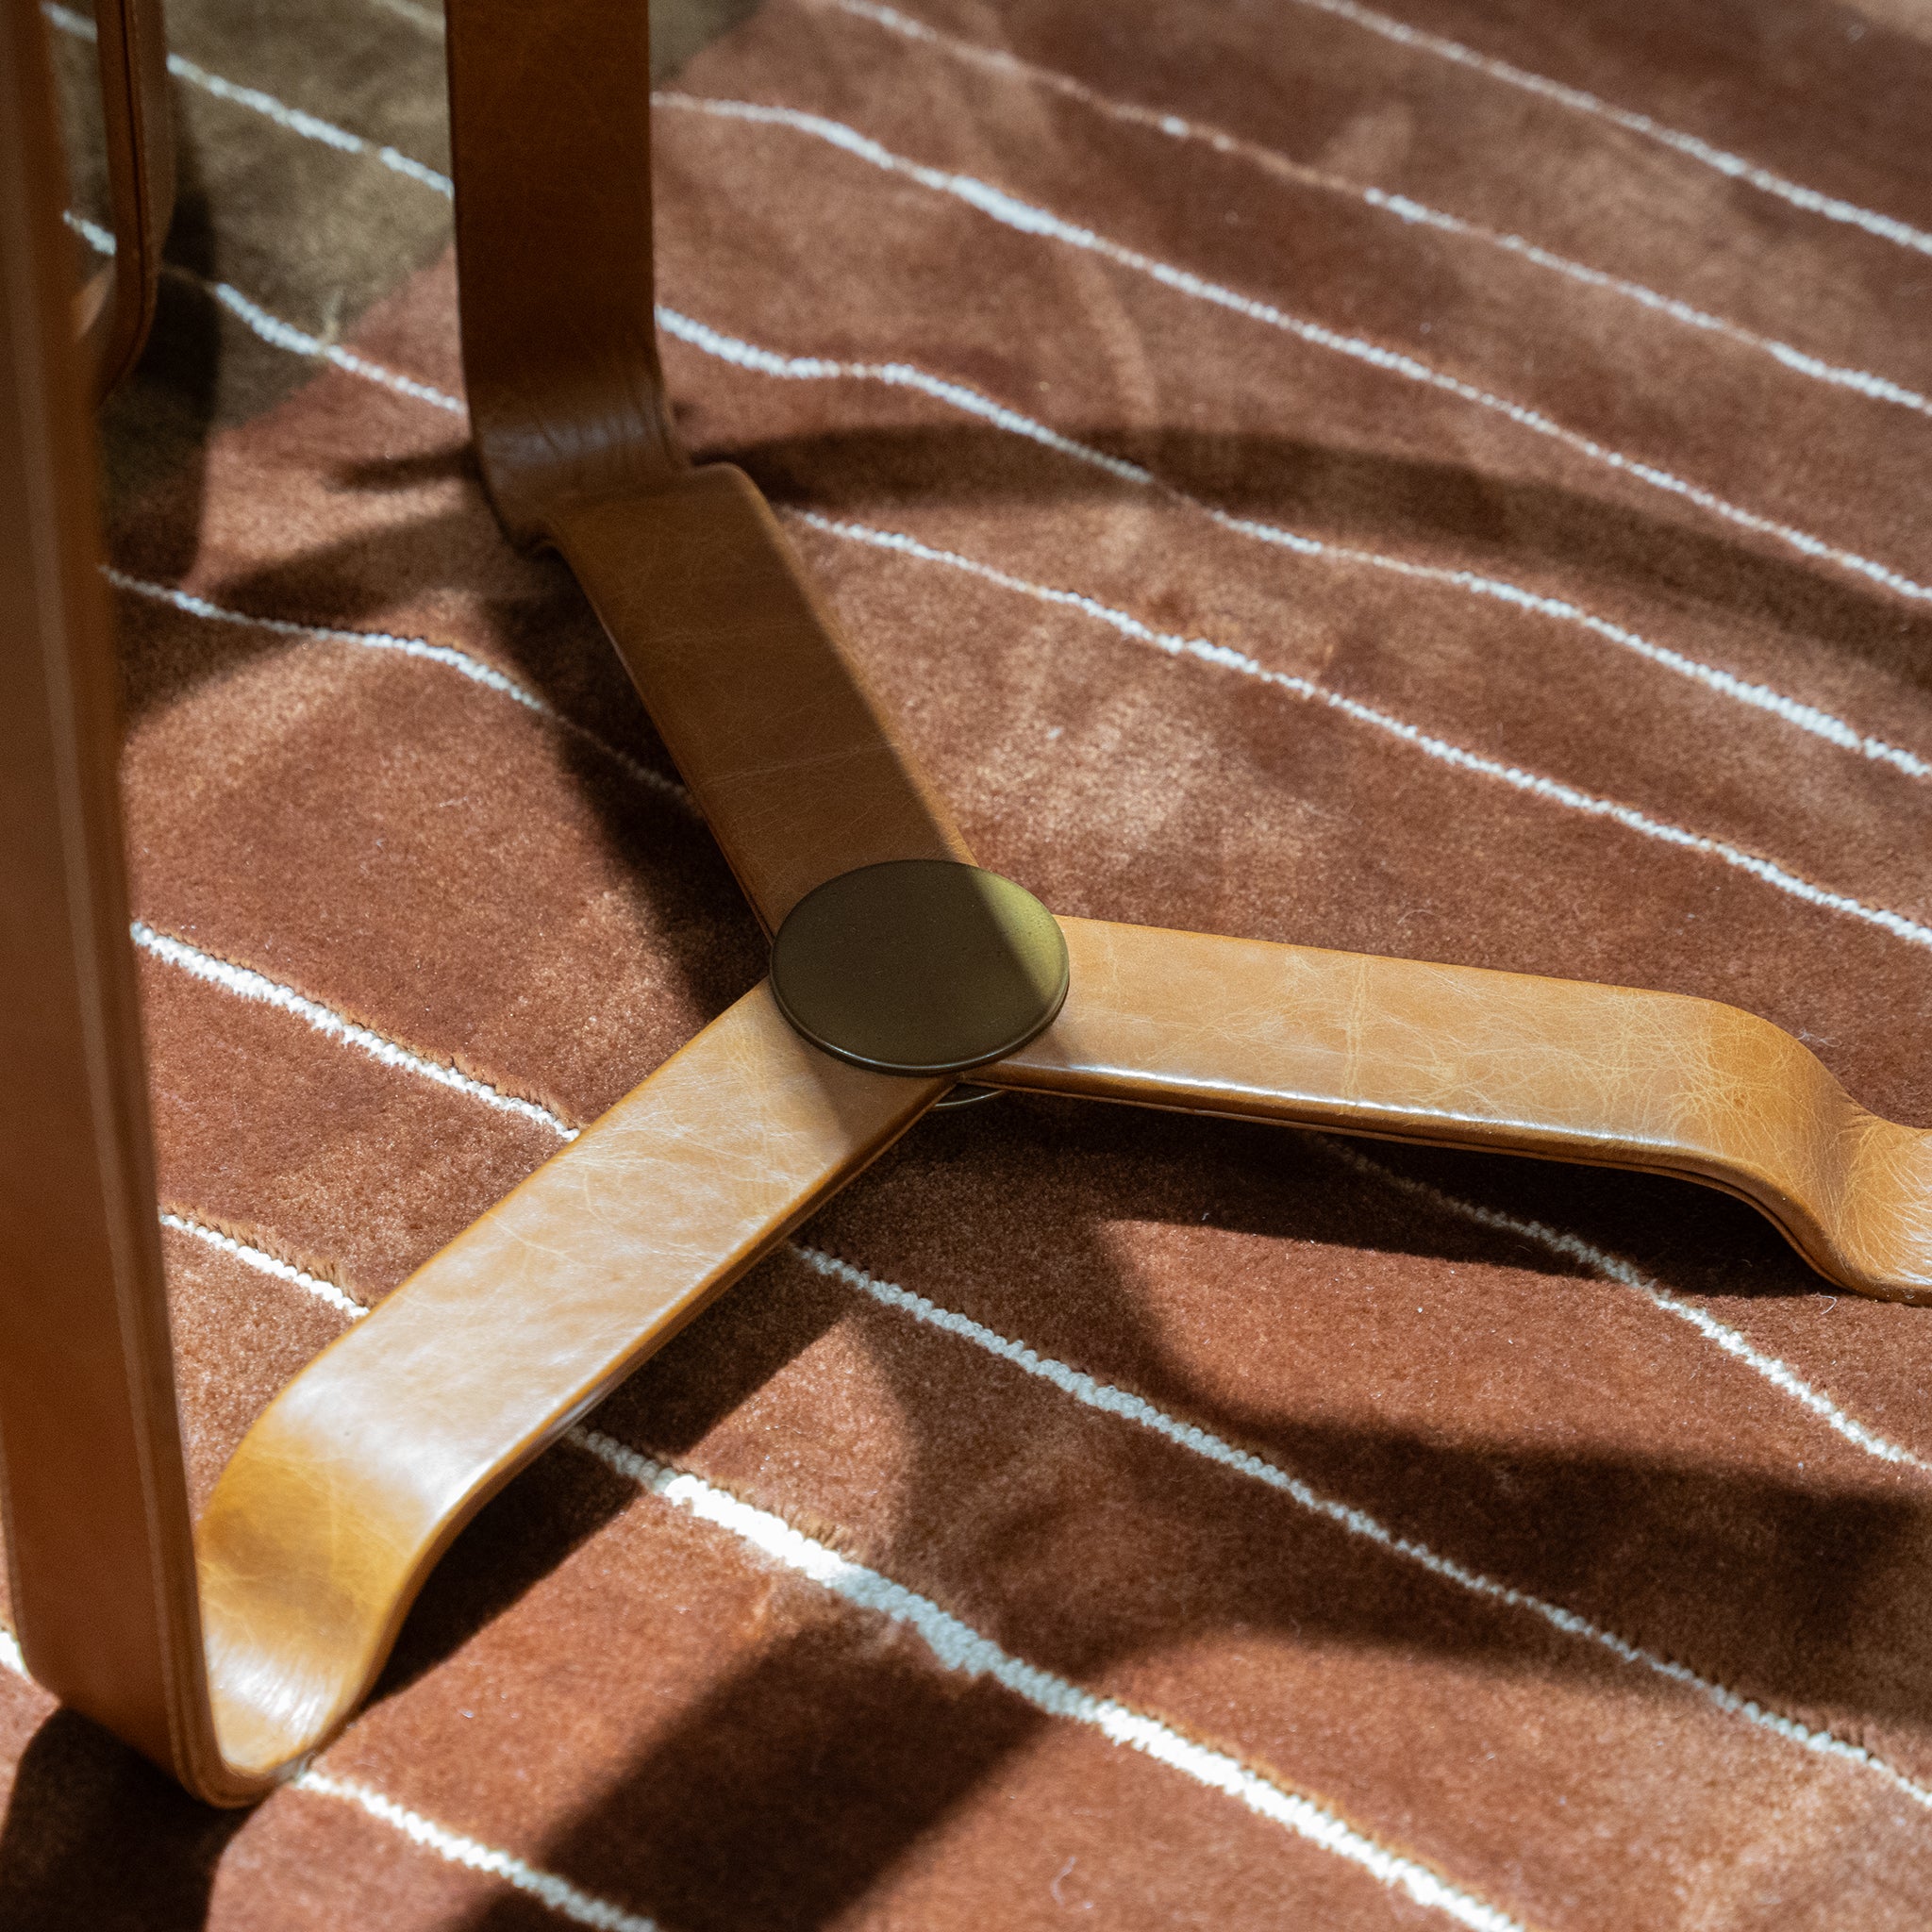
column 1449, row 483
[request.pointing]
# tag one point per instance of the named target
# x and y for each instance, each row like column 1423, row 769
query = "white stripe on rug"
column 284, row 335
column 957, row 1646
column 1780, row 1375
column 245, row 983
column 1027, row 218
column 1402, row 208
column 1794, row 711
column 567, row 1900
column 426, row 20
column 250, row 1256
column 446, row 654
column 558, row 1894
column 1553, row 790
column 295, row 120
column 1108, row 1400
column 274, row 330
column 1734, row 167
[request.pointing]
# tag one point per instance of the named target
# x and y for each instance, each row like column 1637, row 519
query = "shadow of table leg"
column 96, row 1839
column 785, row 1795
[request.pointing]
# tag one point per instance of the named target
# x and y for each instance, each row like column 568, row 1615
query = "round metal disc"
column 919, row 966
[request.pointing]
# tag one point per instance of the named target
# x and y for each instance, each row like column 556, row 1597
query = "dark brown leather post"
column 96, row 1500
column 115, row 308
column 230, row 1652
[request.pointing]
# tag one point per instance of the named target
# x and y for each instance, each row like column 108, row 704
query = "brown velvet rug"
column 1450, row 486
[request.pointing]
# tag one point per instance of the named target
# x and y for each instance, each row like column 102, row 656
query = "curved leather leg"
column 1462, row 1057
column 230, row 1670
column 117, row 306
column 341, row 1498
column 550, row 146
column 789, row 756
column 96, row 1503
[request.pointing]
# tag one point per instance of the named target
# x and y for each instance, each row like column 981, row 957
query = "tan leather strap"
column 704, row 600
column 1461, row 1057
column 550, row 144
column 116, row 309
column 801, row 779
column 330, row 1514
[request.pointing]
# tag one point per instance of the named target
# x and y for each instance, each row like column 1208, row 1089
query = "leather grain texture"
column 1461, row 1058
column 560, row 344
column 101, row 1597
column 327, row 1520
column 786, row 754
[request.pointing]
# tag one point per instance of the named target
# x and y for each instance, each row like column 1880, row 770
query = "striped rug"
column 1450, row 483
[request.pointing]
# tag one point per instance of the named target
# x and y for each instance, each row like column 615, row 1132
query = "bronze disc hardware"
column 920, row 966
